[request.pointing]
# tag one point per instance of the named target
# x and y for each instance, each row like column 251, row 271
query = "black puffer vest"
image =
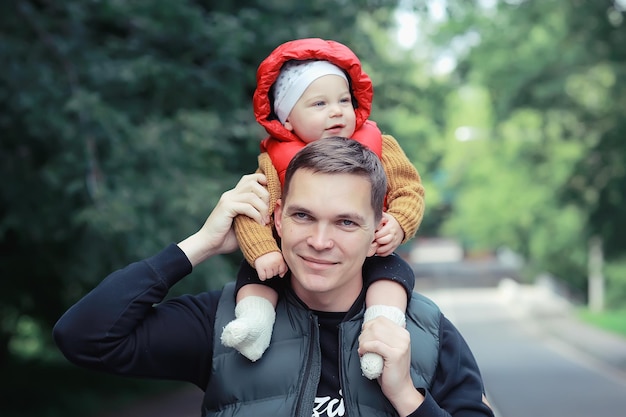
column 284, row 381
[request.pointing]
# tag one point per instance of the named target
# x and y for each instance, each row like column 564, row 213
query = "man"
column 330, row 209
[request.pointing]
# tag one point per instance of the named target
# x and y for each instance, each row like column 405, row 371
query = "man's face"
column 327, row 226
column 324, row 110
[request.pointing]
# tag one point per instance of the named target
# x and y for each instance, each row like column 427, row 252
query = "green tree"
column 554, row 72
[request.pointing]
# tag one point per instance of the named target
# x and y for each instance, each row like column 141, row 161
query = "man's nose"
column 320, row 237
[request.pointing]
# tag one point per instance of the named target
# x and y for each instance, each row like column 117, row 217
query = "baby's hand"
column 388, row 236
column 270, row 265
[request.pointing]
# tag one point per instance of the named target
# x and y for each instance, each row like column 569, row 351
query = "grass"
column 611, row 320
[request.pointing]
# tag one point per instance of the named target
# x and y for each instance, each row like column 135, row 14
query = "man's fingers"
column 250, row 198
column 382, row 336
column 252, row 207
column 253, row 183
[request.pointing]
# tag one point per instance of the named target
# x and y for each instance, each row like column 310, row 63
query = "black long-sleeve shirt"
column 123, row 327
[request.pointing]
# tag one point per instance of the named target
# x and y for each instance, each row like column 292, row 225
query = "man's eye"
column 301, row 216
column 347, row 223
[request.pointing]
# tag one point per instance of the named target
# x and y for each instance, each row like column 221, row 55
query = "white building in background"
column 436, row 250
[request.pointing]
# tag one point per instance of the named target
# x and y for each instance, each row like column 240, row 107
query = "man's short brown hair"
column 339, row 155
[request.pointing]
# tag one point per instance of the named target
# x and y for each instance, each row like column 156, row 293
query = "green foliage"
column 504, row 184
column 545, row 169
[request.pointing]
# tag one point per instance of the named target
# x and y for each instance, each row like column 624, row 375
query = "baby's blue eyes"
column 346, row 100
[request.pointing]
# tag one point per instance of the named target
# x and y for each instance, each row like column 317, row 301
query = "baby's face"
column 324, row 110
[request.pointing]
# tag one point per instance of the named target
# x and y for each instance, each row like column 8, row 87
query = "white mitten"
column 251, row 331
column 372, row 363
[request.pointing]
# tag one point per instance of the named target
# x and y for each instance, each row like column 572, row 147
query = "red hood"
column 302, row 49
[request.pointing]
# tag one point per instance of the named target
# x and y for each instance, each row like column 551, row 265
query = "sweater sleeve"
column 254, row 239
column 405, row 192
column 457, row 389
column 124, row 327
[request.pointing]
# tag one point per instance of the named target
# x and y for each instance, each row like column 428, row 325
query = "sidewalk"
column 556, row 317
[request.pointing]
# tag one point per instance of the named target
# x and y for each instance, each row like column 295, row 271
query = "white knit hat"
column 294, row 78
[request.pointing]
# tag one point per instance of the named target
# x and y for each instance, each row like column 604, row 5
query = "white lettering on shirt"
column 329, row 406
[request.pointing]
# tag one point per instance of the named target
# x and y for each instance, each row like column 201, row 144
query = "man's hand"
column 393, row 343
column 388, row 236
column 270, row 265
column 216, row 236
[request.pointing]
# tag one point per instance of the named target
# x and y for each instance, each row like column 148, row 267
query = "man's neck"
column 331, row 301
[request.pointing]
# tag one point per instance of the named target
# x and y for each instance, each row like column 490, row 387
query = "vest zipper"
column 342, row 374
column 312, row 371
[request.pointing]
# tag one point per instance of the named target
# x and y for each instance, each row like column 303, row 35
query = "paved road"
column 530, row 365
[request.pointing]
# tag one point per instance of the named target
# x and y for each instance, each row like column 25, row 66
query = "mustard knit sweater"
column 405, row 201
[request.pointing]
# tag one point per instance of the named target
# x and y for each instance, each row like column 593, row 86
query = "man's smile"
column 317, row 263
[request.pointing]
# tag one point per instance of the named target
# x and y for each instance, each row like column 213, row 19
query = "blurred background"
column 122, row 122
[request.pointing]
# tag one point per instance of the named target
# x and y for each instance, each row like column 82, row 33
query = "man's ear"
column 278, row 211
column 372, row 250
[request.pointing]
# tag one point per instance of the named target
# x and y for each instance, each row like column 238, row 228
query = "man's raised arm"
column 216, row 236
